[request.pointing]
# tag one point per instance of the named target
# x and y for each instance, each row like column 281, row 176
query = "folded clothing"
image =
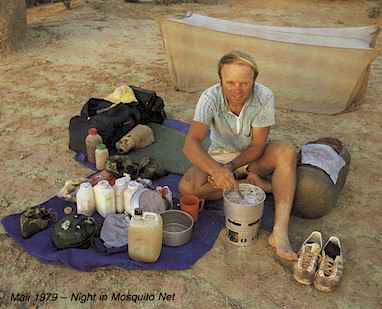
column 114, row 230
column 324, row 157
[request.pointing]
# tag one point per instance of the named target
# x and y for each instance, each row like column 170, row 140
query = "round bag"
column 316, row 194
column 74, row 231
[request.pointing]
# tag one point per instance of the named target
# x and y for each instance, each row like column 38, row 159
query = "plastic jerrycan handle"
column 152, row 216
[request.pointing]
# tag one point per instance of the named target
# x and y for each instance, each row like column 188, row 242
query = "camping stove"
column 243, row 215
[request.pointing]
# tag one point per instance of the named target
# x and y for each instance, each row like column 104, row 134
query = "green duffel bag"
column 74, row 231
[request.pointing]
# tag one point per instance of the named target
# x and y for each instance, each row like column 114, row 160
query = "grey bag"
column 316, row 194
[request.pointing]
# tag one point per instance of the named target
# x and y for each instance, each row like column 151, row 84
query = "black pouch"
column 35, row 219
column 74, row 231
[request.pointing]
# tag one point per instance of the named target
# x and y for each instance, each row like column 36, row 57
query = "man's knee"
column 186, row 185
column 287, row 154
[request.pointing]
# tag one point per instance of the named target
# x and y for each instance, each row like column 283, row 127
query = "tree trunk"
column 12, row 25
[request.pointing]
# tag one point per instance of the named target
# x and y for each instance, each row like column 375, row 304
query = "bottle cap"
column 92, row 131
column 120, row 181
column 133, row 184
column 68, row 210
column 85, row 185
column 101, row 146
column 103, row 183
column 138, row 212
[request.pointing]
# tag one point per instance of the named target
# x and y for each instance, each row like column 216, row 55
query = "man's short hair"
column 238, row 57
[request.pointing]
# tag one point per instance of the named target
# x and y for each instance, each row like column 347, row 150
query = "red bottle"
column 91, row 141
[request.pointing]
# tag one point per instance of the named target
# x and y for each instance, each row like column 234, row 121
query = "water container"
column 101, row 155
column 105, row 198
column 91, row 141
column 144, row 236
column 85, row 199
column 132, row 186
column 119, row 189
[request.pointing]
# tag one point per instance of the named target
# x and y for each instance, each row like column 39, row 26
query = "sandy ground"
column 71, row 55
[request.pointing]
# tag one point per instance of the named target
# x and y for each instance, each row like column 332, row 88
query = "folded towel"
column 324, row 157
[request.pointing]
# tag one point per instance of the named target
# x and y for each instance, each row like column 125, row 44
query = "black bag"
column 150, row 105
column 113, row 122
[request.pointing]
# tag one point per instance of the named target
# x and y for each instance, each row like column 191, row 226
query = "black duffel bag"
column 114, row 121
column 111, row 122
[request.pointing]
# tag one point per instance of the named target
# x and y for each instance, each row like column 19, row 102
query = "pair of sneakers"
column 319, row 265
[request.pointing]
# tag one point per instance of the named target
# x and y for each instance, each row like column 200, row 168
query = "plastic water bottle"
column 132, row 187
column 144, row 236
column 119, row 189
column 85, row 199
column 105, row 198
column 91, row 141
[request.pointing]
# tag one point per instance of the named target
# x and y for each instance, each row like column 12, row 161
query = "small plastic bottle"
column 144, row 236
column 132, row 187
column 105, row 198
column 91, row 141
column 119, row 189
column 101, row 155
column 85, row 199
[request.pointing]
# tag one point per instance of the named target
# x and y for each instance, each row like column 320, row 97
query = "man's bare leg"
column 280, row 158
column 195, row 182
column 256, row 180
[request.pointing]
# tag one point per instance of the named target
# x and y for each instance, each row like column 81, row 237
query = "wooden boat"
column 319, row 70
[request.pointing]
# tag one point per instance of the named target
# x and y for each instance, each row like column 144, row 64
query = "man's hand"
column 223, row 178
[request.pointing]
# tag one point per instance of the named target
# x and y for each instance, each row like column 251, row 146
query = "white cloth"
column 324, row 157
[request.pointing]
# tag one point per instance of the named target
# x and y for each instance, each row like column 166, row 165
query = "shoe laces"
column 328, row 266
column 307, row 257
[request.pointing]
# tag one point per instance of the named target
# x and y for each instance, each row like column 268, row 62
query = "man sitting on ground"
column 239, row 113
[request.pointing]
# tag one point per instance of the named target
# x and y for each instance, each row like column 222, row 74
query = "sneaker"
column 330, row 270
column 308, row 256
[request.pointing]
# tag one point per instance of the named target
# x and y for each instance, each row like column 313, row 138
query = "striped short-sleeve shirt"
column 229, row 132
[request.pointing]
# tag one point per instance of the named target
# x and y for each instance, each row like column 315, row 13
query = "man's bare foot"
column 256, row 180
column 282, row 248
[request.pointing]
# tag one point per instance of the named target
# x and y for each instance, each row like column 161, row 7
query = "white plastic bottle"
column 105, row 198
column 85, row 199
column 132, row 187
column 119, row 189
column 144, row 236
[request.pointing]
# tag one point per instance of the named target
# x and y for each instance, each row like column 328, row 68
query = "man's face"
column 237, row 82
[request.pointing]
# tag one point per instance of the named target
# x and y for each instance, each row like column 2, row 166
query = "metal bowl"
column 177, row 227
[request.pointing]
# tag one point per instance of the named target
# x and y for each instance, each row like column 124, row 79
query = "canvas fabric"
column 321, row 70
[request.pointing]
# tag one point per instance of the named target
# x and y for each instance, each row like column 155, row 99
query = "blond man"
column 239, row 112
